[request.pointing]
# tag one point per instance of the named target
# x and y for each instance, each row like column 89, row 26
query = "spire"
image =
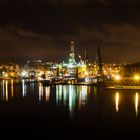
column 72, row 53
column 72, row 46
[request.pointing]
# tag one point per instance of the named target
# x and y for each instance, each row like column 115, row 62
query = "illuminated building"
column 9, row 70
column 38, row 69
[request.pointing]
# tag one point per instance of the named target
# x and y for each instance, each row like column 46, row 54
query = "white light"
column 23, row 73
column 70, row 65
column 87, row 80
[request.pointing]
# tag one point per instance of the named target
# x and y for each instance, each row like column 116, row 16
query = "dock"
column 124, row 87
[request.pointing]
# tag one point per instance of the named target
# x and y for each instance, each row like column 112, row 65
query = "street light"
column 23, row 73
column 117, row 77
column 136, row 77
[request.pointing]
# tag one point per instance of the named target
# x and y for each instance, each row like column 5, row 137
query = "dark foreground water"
column 67, row 112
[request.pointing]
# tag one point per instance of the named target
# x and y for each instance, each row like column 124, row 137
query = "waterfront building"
column 9, row 70
column 38, row 69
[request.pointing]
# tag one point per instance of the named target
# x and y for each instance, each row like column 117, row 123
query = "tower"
column 72, row 54
column 100, row 61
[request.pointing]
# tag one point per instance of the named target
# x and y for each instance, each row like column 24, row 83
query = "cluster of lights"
column 136, row 77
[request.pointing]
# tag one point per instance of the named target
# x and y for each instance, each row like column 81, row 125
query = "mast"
column 100, row 61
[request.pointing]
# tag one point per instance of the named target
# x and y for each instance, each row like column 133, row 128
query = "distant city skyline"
column 43, row 29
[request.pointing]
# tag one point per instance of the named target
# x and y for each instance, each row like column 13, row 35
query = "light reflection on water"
column 44, row 93
column 6, row 93
column 136, row 103
column 12, row 88
column 83, row 92
column 24, row 88
column 47, row 93
column 40, row 92
column 7, row 89
column 72, row 99
column 59, row 94
column 70, row 96
column 3, row 90
column 117, row 102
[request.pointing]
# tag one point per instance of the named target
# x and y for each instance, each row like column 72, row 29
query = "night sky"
column 43, row 29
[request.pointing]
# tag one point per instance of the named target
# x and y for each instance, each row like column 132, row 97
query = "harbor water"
column 68, row 111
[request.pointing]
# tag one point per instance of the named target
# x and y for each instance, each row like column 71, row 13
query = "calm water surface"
column 68, row 111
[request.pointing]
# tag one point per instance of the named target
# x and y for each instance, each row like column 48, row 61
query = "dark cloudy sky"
column 42, row 29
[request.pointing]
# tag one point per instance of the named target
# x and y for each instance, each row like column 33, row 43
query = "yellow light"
column 136, row 103
column 12, row 74
column 47, row 93
column 136, row 77
column 6, row 93
column 117, row 77
column 86, row 72
column 6, row 75
column 12, row 89
column 117, row 102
